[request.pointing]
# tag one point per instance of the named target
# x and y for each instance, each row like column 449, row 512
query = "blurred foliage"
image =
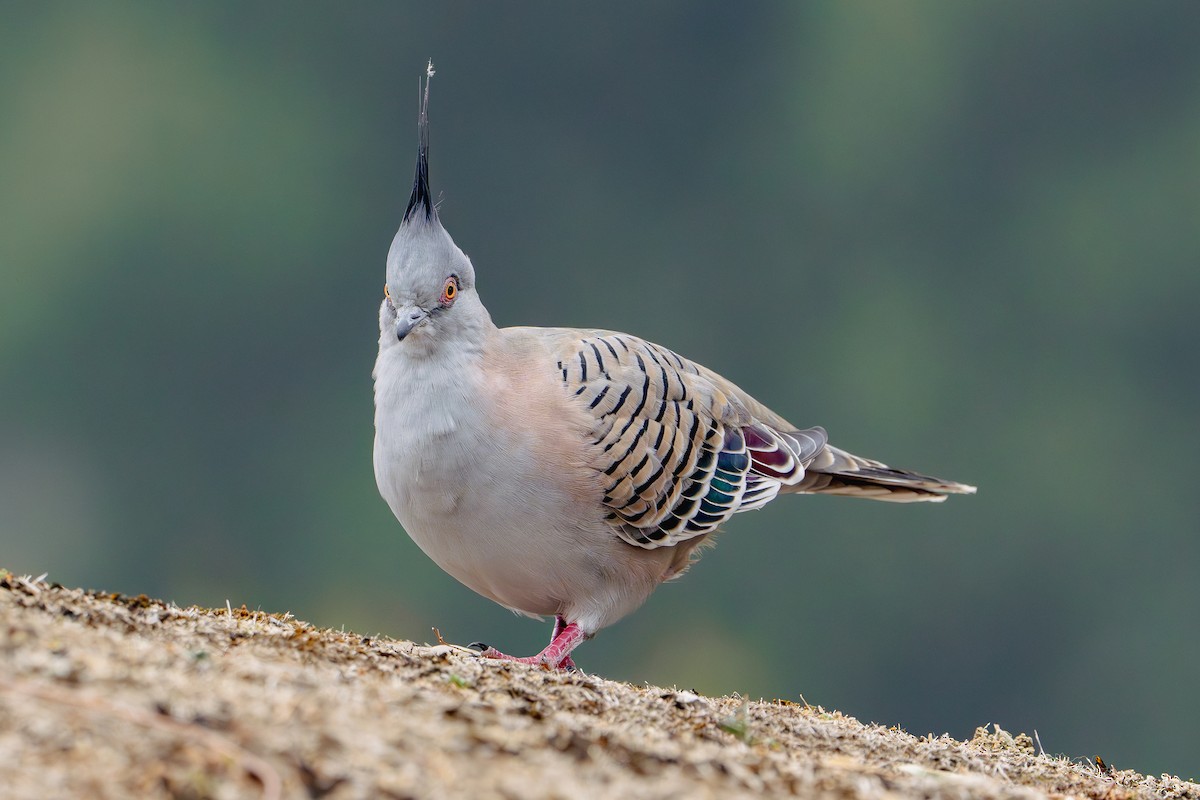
column 962, row 236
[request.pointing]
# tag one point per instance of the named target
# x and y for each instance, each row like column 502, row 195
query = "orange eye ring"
column 387, row 292
column 450, row 291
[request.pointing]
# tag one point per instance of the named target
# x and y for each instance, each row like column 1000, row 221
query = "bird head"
column 429, row 294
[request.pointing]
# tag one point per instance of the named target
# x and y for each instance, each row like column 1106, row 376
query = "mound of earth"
column 103, row 695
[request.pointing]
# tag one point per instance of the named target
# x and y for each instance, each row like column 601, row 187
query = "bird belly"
column 509, row 543
column 479, row 551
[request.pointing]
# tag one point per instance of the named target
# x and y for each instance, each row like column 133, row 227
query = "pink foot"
column 557, row 654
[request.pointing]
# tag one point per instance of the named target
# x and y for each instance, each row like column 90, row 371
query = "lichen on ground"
column 103, row 695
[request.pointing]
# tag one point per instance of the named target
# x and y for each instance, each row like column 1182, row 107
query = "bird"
column 567, row 473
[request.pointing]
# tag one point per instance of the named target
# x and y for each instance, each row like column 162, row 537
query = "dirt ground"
column 106, row 696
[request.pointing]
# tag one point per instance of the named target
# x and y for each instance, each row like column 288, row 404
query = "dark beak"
column 407, row 319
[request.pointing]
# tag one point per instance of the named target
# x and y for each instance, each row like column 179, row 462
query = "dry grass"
column 110, row 696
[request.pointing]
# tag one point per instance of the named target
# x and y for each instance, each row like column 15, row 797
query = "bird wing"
column 678, row 448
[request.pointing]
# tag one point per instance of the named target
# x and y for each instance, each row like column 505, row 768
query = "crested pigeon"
column 563, row 472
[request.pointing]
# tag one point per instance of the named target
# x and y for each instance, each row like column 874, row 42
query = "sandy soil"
column 109, row 696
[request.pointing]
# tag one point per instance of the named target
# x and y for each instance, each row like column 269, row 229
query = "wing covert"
column 676, row 446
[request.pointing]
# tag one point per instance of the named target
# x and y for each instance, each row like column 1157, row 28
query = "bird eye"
column 449, row 291
column 387, row 292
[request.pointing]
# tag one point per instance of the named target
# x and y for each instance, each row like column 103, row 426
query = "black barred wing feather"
column 678, row 448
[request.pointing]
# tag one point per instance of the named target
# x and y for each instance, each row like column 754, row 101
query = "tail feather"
column 835, row 471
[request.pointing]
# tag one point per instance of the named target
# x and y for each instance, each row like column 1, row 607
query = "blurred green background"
column 964, row 237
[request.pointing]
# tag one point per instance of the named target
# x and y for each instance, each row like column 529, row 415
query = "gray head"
column 430, row 291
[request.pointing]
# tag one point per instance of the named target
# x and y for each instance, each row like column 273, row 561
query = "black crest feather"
column 421, row 200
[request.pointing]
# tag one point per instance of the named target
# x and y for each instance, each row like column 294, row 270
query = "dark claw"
column 480, row 646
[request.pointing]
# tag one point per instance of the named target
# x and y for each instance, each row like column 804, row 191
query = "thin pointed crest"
column 421, row 199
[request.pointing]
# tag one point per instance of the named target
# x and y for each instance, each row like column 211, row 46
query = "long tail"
column 835, row 471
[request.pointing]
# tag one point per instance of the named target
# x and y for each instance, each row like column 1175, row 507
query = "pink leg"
column 557, row 654
column 567, row 663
